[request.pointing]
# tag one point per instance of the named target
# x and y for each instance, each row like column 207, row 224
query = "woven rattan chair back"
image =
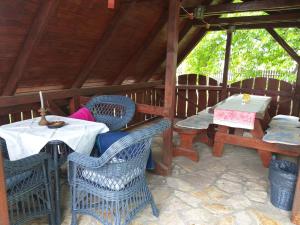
column 114, row 110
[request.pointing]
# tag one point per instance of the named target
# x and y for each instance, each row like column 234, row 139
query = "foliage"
column 251, row 51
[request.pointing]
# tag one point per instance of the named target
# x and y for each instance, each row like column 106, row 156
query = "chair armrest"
column 83, row 160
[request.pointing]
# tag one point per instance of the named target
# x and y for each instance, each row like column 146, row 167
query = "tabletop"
column 25, row 138
column 234, row 113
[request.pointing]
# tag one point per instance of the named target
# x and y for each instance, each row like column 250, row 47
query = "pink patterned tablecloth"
column 233, row 118
column 232, row 112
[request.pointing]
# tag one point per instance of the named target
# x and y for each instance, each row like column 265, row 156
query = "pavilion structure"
column 73, row 50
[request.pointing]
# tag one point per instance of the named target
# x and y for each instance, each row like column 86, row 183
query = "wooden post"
column 296, row 100
column 4, row 219
column 226, row 64
column 170, row 84
column 296, row 204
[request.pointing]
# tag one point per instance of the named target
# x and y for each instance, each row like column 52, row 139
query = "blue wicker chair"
column 113, row 110
column 113, row 188
column 28, row 187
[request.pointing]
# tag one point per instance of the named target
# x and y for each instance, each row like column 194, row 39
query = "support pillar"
column 4, row 218
column 226, row 64
column 296, row 100
column 170, row 84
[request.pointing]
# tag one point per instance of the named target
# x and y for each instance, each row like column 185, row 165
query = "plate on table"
column 56, row 124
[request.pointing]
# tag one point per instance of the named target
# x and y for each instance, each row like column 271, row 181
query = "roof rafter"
column 266, row 5
column 44, row 12
column 142, row 48
column 153, row 67
column 257, row 26
column 246, row 20
column 284, row 44
column 194, row 40
column 100, row 47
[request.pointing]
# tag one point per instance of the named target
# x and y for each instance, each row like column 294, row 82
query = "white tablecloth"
column 27, row 138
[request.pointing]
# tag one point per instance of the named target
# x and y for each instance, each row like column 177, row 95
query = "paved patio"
column 229, row 190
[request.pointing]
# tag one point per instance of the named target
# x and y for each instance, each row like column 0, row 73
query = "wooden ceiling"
column 60, row 44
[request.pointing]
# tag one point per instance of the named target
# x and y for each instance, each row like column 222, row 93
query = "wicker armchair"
column 113, row 110
column 113, row 188
column 28, row 187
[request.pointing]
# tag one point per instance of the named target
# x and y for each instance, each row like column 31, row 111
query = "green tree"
column 251, row 51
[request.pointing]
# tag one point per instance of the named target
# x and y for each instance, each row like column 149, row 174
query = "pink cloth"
column 234, row 118
column 83, row 114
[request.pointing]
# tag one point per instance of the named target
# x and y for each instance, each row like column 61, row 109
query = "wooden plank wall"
column 282, row 93
column 193, row 100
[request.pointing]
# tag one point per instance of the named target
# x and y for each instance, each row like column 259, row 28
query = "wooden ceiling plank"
column 142, row 49
column 44, row 13
column 284, row 44
column 162, row 58
column 103, row 43
column 266, row 5
column 245, row 20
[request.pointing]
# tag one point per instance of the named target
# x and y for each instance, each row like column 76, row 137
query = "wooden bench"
column 198, row 127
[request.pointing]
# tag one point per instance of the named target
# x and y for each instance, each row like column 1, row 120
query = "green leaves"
column 251, row 51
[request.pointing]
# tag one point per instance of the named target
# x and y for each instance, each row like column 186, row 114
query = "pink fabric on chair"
column 83, row 114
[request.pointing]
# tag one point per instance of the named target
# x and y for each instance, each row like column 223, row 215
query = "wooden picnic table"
column 231, row 132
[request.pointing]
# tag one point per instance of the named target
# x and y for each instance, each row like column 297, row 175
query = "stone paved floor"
column 231, row 190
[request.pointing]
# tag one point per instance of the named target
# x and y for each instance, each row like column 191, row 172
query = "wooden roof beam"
column 284, row 44
column 101, row 46
column 246, row 20
column 142, row 48
column 44, row 12
column 195, row 39
column 266, row 5
column 257, row 26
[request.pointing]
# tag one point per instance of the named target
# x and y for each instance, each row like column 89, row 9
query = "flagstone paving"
column 231, row 190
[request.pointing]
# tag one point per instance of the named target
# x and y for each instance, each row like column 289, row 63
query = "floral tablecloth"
column 232, row 112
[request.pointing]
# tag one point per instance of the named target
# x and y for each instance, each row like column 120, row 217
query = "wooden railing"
column 282, row 93
column 64, row 102
column 196, row 92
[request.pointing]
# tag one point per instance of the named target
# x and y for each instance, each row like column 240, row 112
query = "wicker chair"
column 113, row 110
column 113, row 188
column 28, row 187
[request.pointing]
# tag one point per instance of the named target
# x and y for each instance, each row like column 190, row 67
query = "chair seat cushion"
column 105, row 140
column 14, row 180
column 83, row 114
column 111, row 182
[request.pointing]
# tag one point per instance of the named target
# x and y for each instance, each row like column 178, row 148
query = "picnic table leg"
column 258, row 133
column 185, row 147
column 296, row 204
column 219, row 143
